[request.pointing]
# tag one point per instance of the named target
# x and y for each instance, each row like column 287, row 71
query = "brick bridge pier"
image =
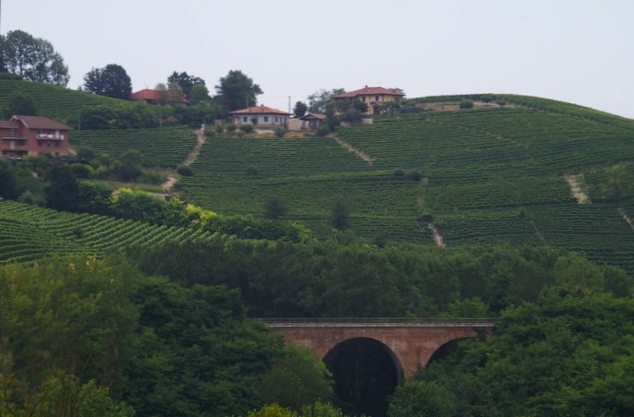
column 410, row 343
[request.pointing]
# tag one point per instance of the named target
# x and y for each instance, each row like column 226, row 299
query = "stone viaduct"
column 410, row 343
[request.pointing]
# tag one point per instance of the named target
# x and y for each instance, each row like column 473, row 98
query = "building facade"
column 372, row 96
column 260, row 115
column 32, row 135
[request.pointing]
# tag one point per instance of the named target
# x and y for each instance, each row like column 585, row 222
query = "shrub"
column 339, row 215
column 253, row 171
column 230, row 127
column 82, row 171
column 466, row 104
column 185, row 170
column 210, row 133
column 398, row 172
column 280, row 132
column 246, row 128
column 414, row 175
column 487, row 98
column 322, row 131
column 240, row 133
column 220, row 128
column 275, row 208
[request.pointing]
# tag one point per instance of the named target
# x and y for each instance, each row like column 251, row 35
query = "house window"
column 376, row 98
column 364, row 99
column 266, row 119
column 12, row 132
column 244, row 119
column 275, row 119
column 57, row 144
column 39, row 143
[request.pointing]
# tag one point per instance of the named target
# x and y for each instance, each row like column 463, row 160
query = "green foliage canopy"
column 110, row 81
column 33, row 59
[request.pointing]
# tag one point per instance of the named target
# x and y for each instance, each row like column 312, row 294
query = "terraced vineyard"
column 165, row 148
column 30, row 232
column 489, row 175
column 55, row 102
column 238, row 176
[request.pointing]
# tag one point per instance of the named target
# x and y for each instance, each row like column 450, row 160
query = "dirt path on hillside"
column 574, row 181
column 626, row 217
column 540, row 234
column 437, row 236
column 189, row 159
column 367, row 158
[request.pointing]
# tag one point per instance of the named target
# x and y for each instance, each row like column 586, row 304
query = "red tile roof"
column 40, row 122
column 151, row 95
column 260, row 110
column 370, row 91
column 310, row 116
column 9, row 124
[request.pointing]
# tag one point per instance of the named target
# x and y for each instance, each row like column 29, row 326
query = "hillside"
column 164, row 148
column 55, row 102
column 489, row 175
column 30, row 232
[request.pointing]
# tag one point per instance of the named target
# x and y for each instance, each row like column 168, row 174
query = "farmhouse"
column 312, row 121
column 154, row 97
column 32, row 135
column 372, row 96
column 260, row 115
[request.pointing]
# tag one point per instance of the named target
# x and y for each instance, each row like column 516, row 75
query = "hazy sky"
column 576, row 51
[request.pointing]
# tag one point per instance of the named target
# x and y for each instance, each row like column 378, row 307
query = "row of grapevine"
column 30, row 232
column 166, row 147
column 58, row 103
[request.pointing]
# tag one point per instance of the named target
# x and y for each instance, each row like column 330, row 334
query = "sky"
column 578, row 51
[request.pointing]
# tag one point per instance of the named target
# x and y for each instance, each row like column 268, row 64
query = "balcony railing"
column 46, row 136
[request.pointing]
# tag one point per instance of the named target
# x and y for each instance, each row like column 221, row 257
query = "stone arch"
column 396, row 361
column 441, row 346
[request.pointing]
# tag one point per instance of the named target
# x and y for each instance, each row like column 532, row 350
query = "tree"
column 275, row 207
column 33, row 59
column 237, row 91
column 198, row 93
column 318, row 102
column 296, row 380
column 339, row 215
column 20, row 103
column 185, row 81
column 421, row 399
column 61, row 192
column 300, row 109
column 8, row 185
column 110, row 81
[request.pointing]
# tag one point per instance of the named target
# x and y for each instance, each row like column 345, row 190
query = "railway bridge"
column 409, row 342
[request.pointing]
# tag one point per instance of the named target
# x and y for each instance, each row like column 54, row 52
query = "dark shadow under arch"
column 366, row 372
column 445, row 350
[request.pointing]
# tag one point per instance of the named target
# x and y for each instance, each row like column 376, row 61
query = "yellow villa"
column 372, row 96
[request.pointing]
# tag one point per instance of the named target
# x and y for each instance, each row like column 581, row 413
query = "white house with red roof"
column 372, row 96
column 32, row 135
column 260, row 115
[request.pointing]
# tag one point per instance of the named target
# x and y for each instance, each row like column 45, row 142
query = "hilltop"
column 521, row 170
column 512, row 173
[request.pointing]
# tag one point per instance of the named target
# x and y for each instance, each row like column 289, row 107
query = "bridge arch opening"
column 366, row 372
column 445, row 350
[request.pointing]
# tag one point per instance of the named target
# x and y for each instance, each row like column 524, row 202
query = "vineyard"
column 30, row 232
column 489, row 175
column 164, row 148
column 55, row 102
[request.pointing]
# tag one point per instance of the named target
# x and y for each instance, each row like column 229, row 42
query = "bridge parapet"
column 486, row 323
